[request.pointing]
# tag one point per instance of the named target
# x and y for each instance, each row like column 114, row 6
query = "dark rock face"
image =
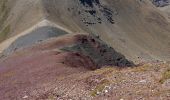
column 95, row 9
column 101, row 54
column 161, row 3
column 92, row 12
column 89, row 2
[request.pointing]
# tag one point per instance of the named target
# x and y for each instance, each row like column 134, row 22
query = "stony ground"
column 40, row 67
column 46, row 72
column 145, row 82
column 62, row 68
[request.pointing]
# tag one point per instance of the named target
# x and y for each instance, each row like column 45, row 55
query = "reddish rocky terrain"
column 84, row 50
column 52, row 70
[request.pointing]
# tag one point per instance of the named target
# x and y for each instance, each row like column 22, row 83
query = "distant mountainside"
column 135, row 28
column 84, row 49
column 161, row 3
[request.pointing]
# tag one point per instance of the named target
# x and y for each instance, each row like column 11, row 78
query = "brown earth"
column 33, row 71
column 46, row 71
column 124, row 57
column 53, row 76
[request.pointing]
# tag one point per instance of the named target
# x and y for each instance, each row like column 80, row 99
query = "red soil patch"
column 41, row 66
column 31, row 71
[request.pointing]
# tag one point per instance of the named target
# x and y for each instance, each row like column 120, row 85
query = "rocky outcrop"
column 161, row 3
column 101, row 53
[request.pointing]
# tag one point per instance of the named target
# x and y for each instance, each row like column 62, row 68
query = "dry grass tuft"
column 142, row 68
column 100, row 87
column 165, row 76
column 4, row 33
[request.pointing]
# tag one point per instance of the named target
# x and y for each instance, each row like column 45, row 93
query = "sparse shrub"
column 4, row 12
column 142, row 68
column 8, row 74
column 100, row 87
column 4, row 33
column 165, row 76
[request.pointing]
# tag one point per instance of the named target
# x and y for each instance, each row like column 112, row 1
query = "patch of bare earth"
column 110, row 83
column 62, row 82
column 46, row 72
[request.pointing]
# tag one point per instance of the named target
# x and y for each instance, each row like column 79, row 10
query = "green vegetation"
column 142, row 68
column 51, row 97
column 4, row 11
column 107, row 70
column 4, row 33
column 8, row 74
column 165, row 76
column 100, row 87
column 2, row 5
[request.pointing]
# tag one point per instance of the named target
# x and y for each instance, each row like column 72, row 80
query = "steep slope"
column 4, row 12
column 160, row 3
column 54, row 70
column 44, row 63
column 135, row 28
column 61, row 49
column 51, row 75
column 19, row 15
column 166, row 9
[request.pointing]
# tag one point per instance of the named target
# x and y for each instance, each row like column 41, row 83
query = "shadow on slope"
column 44, row 63
column 102, row 54
column 35, row 36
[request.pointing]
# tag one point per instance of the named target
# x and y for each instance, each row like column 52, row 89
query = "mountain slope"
column 134, row 28
column 137, row 27
column 83, row 49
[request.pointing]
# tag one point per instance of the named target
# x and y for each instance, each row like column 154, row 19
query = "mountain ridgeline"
column 135, row 28
column 84, row 49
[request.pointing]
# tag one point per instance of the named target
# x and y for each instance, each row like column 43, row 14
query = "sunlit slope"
column 19, row 15
column 166, row 10
column 134, row 28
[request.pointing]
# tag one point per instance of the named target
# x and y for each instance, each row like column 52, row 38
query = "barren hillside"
column 58, row 49
column 135, row 28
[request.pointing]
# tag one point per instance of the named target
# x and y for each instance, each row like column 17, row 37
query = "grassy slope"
column 4, row 11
